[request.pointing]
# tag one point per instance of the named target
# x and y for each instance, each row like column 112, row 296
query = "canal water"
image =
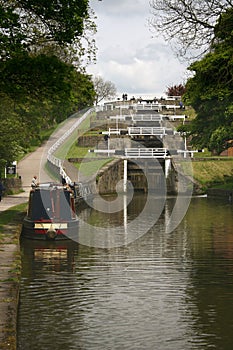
column 165, row 291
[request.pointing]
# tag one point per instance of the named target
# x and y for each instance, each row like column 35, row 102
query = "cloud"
column 136, row 77
column 127, row 54
column 120, row 8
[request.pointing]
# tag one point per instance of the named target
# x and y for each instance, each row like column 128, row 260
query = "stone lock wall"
column 112, row 173
column 109, row 176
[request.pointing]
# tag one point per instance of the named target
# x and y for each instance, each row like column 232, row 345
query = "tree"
column 41, row 46
column 82, row 93
column 42, row 82
column 175, row 90
column 29, row 25
column 35, row 76
column 28, row 108
column 219, row 140
column 210, row 91
column 103, row 89
column 188, row 24
column 12, row 132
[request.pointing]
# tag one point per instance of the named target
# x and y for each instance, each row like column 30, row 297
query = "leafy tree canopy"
column 35, row 76
column 41, row 46
column 210, row 91
column 12, row 132
column 32, row 24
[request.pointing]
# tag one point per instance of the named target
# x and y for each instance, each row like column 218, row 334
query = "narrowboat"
column 51, row 213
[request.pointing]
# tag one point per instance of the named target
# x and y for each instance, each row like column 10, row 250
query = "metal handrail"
column 143, row 130
column 58, row 162
column 146, row 152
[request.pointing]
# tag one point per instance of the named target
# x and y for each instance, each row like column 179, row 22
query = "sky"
column 127, row 53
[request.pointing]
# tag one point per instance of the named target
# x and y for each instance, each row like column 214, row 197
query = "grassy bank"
column 90, row 167
column 11, row 217
column 214, row 172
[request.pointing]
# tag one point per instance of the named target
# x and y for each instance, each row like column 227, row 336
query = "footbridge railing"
column 58, row 163
column 148, row 106
column 135, row 152
column 147, row 117
column 146, row 153
column 142, row 130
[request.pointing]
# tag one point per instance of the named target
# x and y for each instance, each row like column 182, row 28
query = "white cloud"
column 120, row 7
column 127, row 54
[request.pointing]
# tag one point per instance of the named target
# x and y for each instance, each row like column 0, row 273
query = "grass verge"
column 10, row 217
column 214, row 173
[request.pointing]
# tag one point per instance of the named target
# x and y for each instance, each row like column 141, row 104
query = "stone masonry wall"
column 109, row 176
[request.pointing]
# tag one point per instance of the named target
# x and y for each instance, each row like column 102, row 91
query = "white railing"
column 82, row 190
column 119, row 117
column 112, row 131
column 147, row 117
column 176, row 117
column 56, row 161
column 146, row 152
column 189, row 152
column 155, row 106
column 147, row 106
column 171, row 106
column 134, row 152
column 155, row 131
column 173, row 98
column 137, row 131
column 123, row 106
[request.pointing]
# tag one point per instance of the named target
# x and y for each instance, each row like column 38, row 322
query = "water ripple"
column 162, row 292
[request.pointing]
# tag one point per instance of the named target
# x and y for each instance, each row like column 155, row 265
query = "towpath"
column 34, row 164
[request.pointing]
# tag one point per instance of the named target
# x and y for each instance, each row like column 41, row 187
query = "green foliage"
column 219, row 139
column 63, row 19
column 82, row 92
column 210, row 91
column 30, row 24
column 40, row 85
column 12, row 132
column 37, row 77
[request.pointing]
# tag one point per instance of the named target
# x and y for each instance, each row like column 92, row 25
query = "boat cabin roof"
column 49, row 201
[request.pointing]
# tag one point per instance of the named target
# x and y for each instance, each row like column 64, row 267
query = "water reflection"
column 211, row 287
column 54, row 256
column 124, row 225
column 163, row 291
